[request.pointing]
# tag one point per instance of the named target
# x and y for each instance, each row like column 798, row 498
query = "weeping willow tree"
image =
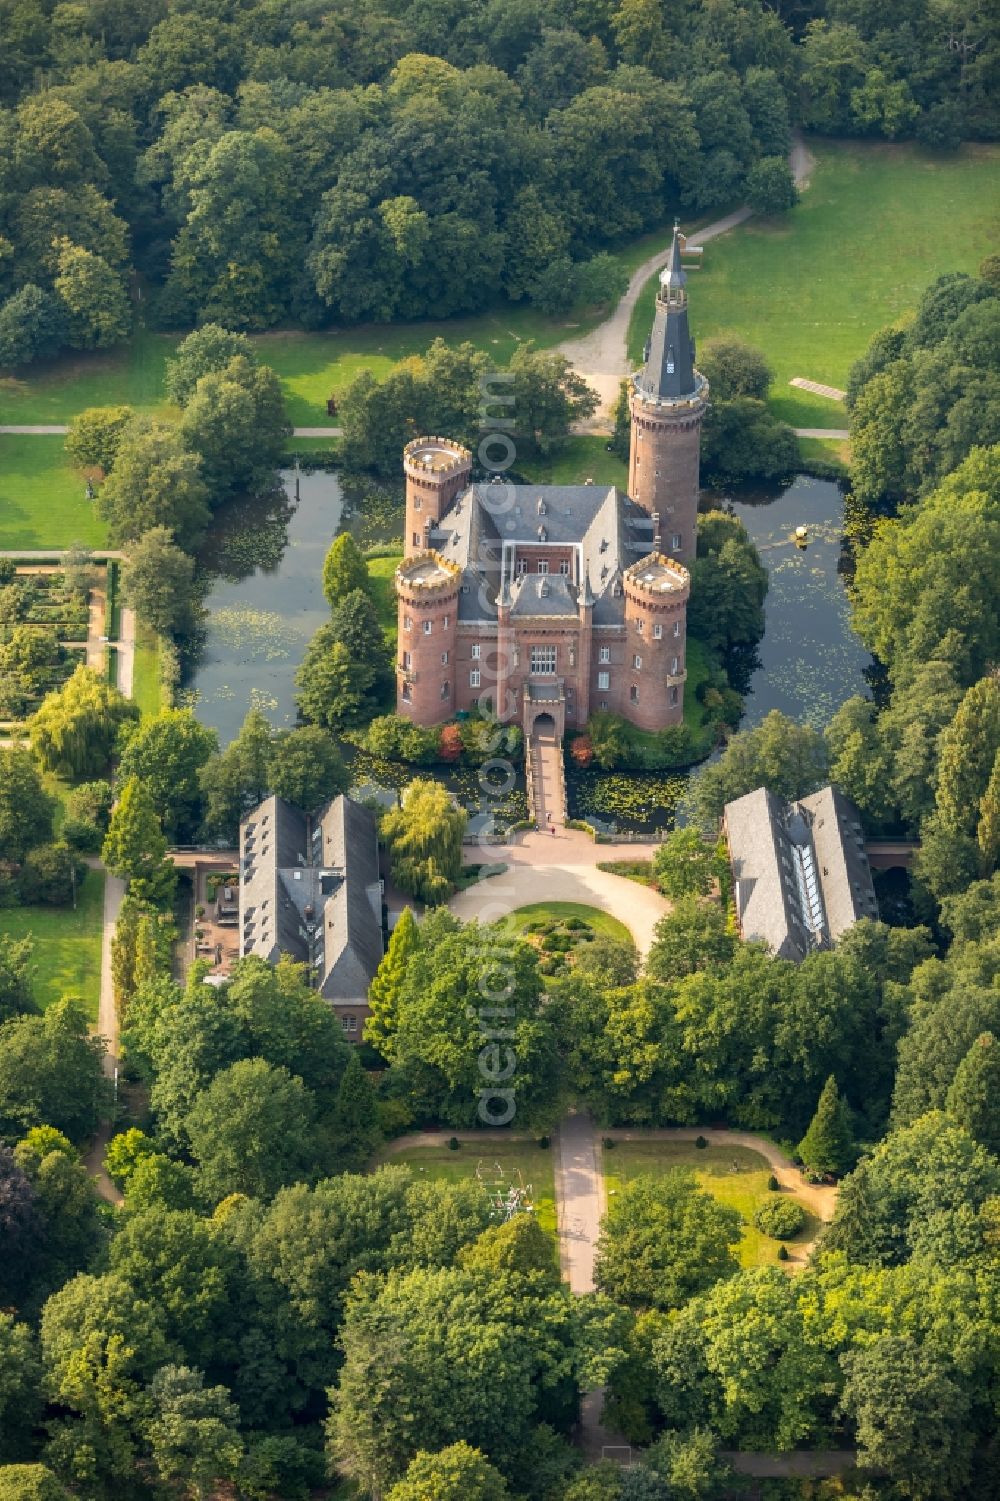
column 424, row 838
column 74, row 730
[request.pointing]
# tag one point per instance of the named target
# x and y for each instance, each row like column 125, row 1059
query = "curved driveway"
column 562, row 867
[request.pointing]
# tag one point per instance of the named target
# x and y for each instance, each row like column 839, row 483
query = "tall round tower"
column 656, row 596
column 437, row 471
column 427, row 588
column 668, row 402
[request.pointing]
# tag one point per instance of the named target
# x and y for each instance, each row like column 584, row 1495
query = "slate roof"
column 610, row 530
column 309, row 888
column 668, row 372
column 800, row 872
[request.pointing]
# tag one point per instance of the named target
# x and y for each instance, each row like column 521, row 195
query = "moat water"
column 266, row 600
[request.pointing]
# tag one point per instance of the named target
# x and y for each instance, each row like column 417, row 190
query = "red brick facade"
column 663, row 471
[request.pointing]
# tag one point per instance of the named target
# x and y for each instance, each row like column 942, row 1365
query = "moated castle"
column 559, row 600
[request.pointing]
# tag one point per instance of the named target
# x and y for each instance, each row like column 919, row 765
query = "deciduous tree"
column 663, row 1240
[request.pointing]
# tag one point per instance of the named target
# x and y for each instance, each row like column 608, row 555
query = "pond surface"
column 266, row 556
column 809, row 661
column 267, row 600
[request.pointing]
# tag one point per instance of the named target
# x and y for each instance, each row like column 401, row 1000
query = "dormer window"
column 541, row 506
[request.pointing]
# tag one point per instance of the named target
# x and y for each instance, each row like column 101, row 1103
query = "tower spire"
column 668, row 373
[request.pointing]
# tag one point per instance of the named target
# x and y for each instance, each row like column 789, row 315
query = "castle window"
column 640, row 626
column 543, row 659
column 416, row 539
column 428, row 627
column 417, row 502
column 677, row 627
column 406, row 693
column 474, row 678
column 445, row 689
column 675, row 663
column 543, row 565
column 407, row 622
column 637, row 663
column 674, row 696
column 675, row 540
column 604, row 681
column 522, row 566
column 633, row 694
column 445, row 621
column 444, row 659
column 657, row 632
column 604, row 703
column 407, row 663
column 564, row 568
column 605, row 654
column 477, row 650
column 349, row 1023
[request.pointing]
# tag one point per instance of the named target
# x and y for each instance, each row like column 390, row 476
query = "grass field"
column 146, row 670
column 42, row 501
column 583, row 456
column 520, row 1162
column 382, row 571
column 601, row 922
column 876, row 225
column 743, row 1190
column 311, row 366
column 67, row 952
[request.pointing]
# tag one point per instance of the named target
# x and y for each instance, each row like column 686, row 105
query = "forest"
column 297, row 163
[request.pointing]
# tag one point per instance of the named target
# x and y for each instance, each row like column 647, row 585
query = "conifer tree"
column 354, row 1121
column 828, row 1145
column 384, row 992
column 344, row 570
column 974, row 1096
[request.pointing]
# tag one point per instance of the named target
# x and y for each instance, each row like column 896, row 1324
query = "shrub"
column 782, row 1252
column 82, row 835
column 450, row 743
column 575, row 924
column 608, row 1142
column 581, row 751
column 544, row 1143
column 700, row 1142
column 453, row 1143
column 773, row 1184
column 779, row 1218
column 51, row 874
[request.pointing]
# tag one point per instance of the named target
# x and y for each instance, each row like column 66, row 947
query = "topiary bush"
column 780, row 1218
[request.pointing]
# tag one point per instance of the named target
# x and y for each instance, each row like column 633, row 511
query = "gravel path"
column 562, row 867
column 822, row 432
column 601, row 356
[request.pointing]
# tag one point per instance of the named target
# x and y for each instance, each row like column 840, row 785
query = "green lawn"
column 146, row 670
column 67, row 954
column 42, row 500
column 520, row 1162
column 311, row 365
column 582, row 457
column 601, row 922
column 743, row 1190
column 876, row 225
column 382, row 572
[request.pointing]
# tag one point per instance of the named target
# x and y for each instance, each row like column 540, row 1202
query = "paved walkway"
column 548, row 797
column 822, row 432
column 579, row 1199
column 107, row 1027
column 562, row 867
column 601, row 356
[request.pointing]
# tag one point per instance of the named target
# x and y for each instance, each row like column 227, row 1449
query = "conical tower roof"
column 668, row 373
